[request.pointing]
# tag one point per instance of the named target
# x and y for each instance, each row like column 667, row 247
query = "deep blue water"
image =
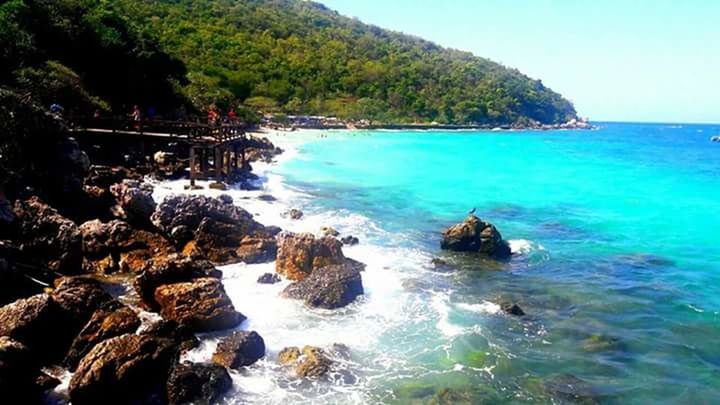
column 619, row 269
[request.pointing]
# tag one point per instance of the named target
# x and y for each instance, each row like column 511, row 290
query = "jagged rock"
column 289, row 355
column 172, row 269
column 224, row 233
column 293, row 213
column 266, row 197
column 329, row 287
column 47, row 237
column 349, row 240
column 146, row 247
column 257, row 249
column 181, row 335
column 512, row 308
column 329, row 231
column 100, row 239
column 240, row 349
column 135, row 202
column 299, row 254
column 203, row 383
column 269, row 278
column 201, row 304
column 313, row 362
column 105, row 176
column 475, row 235
column 125, row 369
column 30, row 321
column 78, row 298
column 103, row 325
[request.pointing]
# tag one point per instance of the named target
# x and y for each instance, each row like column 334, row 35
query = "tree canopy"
column 298, row 56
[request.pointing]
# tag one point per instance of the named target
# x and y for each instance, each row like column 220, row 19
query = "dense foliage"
column 298, row 56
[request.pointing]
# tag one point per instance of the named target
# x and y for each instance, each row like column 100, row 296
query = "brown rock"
column 171, row 269
column 102, row 325
column 201, row 304
column 135, row 202
column 197, row 383
column 48, row 238
column 289, row 355
column 475, row 235
column 313, row 362
column 257, row 249
column 124, row 369
column 240, row 349
column 30, row 320
column 329, row 287
column 181, row 335
column 299, row 254
column 145, row 246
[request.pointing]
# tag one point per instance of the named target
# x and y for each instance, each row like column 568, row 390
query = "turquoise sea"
column 617, row 265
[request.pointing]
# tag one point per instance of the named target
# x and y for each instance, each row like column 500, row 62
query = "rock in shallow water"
column 201, row 304
column 269, row 278
column 299, row 254
column 201, row 383
column 475, row 235
column 240, row 349
column 329, row 287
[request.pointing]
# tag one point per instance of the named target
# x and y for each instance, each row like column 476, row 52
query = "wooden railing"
column 194, row 131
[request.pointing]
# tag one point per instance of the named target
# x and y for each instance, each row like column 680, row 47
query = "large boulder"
column 201, row 304
column 135, row 203
column 78, row 298
column 167, row 270
column 32, row 321
column 103, row 325
column 329, row 287
column 125, row 369
column 299, row 254
column 100, row 239
column 48, row 238
column 197, row 383
column 475, row 235
column 214, row 228
column 240, row 349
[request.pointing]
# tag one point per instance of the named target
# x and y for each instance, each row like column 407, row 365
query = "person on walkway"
column 213, row 115
column 232, row 115
column 136, row 116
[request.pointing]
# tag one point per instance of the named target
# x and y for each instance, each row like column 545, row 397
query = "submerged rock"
column 293, row 213
column 202, row 383
column 511, row 308
column 125, row 369
column 329, row 287
column 476, row 235
column 240, row 349
column 269, row 278
column 299, row 254
column 349, row 240
column 201, row 304
column 329, row 231
column 570, row 388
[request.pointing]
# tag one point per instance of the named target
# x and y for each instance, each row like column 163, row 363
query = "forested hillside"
column 296, row 56
column 288, row 56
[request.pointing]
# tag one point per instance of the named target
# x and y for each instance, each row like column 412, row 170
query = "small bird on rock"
column 472, row 211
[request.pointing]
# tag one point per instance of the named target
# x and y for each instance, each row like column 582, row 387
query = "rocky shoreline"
column 116, row 300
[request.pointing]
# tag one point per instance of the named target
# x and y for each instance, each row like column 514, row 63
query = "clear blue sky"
column 631, row 60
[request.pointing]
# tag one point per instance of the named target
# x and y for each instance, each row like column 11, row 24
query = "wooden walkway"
column 220, row 146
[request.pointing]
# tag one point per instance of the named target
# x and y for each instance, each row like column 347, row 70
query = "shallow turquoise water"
column 619, row 273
